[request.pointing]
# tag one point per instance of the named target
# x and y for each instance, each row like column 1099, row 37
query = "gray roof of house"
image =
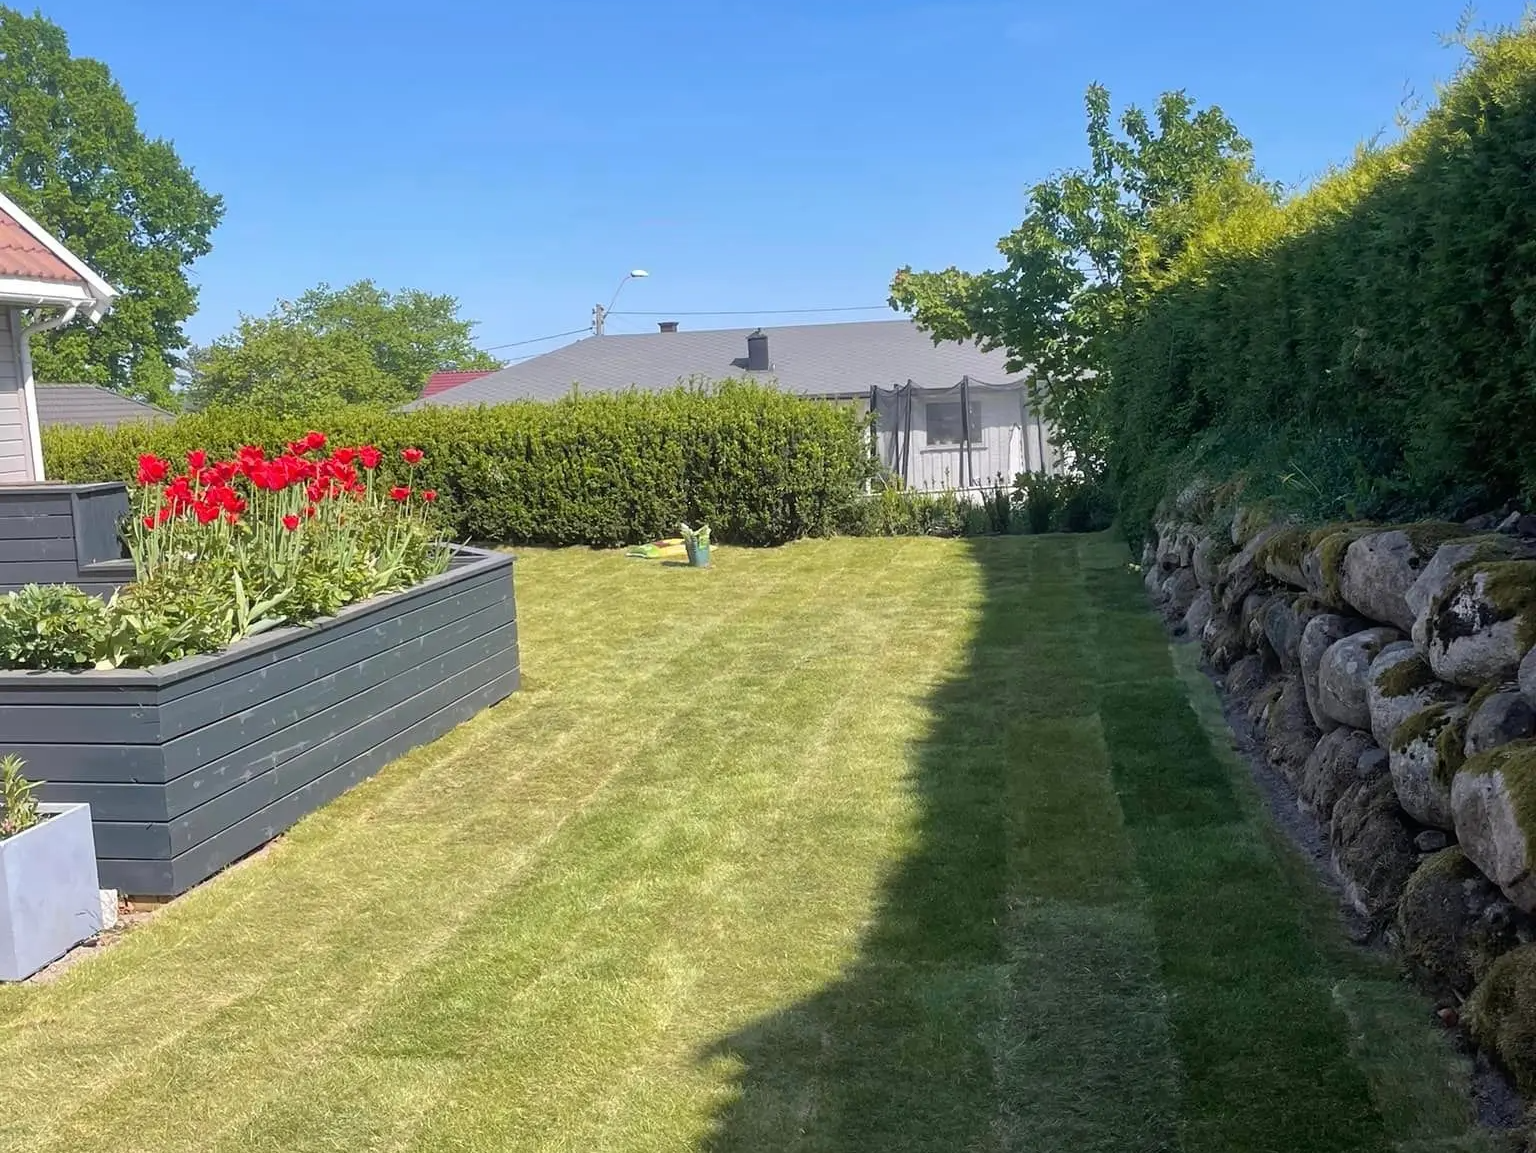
column 90, row 404
column 811, row 359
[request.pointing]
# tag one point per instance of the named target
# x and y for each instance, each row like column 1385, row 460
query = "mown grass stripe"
column 1266, row 1061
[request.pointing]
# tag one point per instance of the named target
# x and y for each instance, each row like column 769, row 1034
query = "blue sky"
column 750, row 156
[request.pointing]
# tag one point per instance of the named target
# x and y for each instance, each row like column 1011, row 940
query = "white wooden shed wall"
column 16, row 415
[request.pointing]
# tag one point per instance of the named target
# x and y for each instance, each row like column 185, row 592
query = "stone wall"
column 1389, row 674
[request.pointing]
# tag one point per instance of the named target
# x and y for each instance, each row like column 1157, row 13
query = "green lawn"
column 850, row 845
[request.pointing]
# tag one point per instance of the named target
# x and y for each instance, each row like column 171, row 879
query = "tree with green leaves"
column 1092, row 242
column 73, row 156
column 336, row 347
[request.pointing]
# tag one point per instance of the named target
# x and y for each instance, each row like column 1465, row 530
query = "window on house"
column 944, row 425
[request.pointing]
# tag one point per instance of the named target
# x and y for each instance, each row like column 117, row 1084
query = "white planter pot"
column 49, row 899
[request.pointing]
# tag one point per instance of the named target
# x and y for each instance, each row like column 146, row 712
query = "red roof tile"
column 22, row 254
column 443, row 381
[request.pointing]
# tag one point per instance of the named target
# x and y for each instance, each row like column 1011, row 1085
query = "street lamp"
column 600, row 314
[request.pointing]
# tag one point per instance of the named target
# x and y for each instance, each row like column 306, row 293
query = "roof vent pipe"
column 757, row 352
column 667, row 326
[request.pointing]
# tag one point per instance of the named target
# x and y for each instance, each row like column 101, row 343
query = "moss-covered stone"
column 1328, row 546
column 1453, row 921
column 1405, row 677
column 1285, row 547
column 1483, row 621
column 1516, row 764
column 1424, row 725
column 1427, row 536
column 1501, row 1014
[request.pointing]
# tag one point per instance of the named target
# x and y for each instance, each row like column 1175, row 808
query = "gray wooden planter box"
column 63, row 534
column 191, row 765
column 49, row 899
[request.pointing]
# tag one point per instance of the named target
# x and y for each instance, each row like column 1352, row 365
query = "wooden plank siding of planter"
column 62, row 534
column 190, row 766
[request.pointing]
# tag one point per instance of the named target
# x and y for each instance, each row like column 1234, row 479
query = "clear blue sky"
column 750, row 156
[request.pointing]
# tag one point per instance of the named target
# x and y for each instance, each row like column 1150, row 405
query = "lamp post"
column 600, row 314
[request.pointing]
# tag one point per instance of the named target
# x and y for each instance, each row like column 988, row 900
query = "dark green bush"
column 1063, row 503
column 759, row 466
column 1367, row 348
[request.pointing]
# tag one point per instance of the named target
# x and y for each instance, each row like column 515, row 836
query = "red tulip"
column 152, row 469
column 429, row 495
column 290, row 522
column 344, row 455
column 370, row 456
column 233, row 517
column 149, row 522
column 310, row 510
column 196, row 459
column 411, row 456
column 314, row 440
column 206, row 511
column 399, row 492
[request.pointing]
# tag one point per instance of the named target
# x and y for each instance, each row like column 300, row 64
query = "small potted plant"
column 49, row 898
column 696, row 541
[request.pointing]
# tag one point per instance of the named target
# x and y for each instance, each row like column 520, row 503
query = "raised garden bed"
column 63, row 534
column 190, row 765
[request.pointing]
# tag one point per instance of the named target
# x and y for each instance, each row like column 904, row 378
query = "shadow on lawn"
column 894, row 1054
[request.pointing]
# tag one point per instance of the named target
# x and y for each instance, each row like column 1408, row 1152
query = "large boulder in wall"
column 1499, row 714
column 1493, row 799
column 1211, row 552
column 1322, row 567
column 1526, row 677
column 1426, row 752
column 1449, row 561
column 1243, row 573
column 1332, row 768
column 1483, row 622
column 1285, row 620
column 1179, row 592
column 1281, row 555
column 1289, row 733
column 1222, row 643
column 1316, row 639
column 1399, row 684
column 1198, row 616
column 1372, row 849
column 1341, row 675
column 1454, row 922
column 1380, row 567
column 1501, row 1015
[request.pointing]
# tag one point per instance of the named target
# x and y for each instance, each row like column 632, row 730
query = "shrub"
column 52, row 627
column 1063, row 503
column 760, row 466
column 1363, row 349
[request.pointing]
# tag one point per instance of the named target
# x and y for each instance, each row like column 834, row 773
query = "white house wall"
column 1003, row 443
column 15, row 443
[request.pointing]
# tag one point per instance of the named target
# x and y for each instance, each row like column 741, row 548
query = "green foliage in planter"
column 1362, row 349
column 18, row 808
column 759, row 465
column 52, row 627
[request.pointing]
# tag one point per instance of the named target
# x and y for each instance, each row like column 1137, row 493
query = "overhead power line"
column 537, row 339
column 763, row 311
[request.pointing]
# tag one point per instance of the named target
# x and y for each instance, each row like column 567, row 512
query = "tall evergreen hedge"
column 1369, row 347
column 759, row 466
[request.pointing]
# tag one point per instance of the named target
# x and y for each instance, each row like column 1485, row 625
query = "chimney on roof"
column 757, row 352
column 668, row 326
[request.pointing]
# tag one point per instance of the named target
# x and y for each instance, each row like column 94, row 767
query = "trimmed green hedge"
column 1367, row 348
column 757, row 465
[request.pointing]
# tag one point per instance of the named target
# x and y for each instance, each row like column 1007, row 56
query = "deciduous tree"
column 328, row 348
column 1091, row 241
column 73, row 156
